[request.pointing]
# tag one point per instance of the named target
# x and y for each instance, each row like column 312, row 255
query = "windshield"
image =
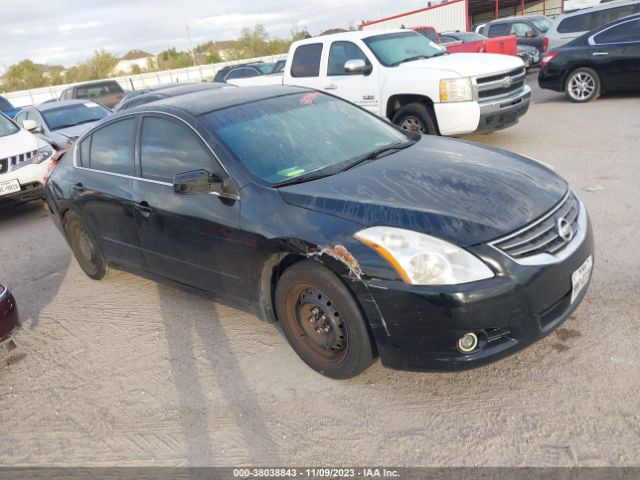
column 7, row 127
column 75, row 114
column 265, row 68
column 279, row 139
column 542, row 24
column 394, row 48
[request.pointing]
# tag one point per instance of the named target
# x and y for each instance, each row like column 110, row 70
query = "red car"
column 469, row 42
column 9, row 323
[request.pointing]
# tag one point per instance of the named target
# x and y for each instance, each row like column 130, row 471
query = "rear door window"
column 499, row 30
column 306, row 61
column 112, row 148
column 168, row 147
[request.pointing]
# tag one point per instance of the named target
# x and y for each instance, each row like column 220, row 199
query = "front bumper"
column 9, row 323
column 31, row 179
column 503, row 113
column 520, row 305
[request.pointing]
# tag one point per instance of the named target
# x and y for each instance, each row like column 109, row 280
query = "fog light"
column 468, row 342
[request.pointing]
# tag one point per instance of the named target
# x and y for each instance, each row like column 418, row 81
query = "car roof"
column 43, row 107
column 594, row 8
column 516, row 19
column 201, row 102
column 357, row 34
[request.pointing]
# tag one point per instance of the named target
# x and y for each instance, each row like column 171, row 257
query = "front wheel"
column 322, row 321
column 417, row 118
column 582, row 85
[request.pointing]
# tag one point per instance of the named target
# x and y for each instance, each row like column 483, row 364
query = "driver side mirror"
column 32, row 126
column 530, row 34
column 358, row 66
column 197, row 181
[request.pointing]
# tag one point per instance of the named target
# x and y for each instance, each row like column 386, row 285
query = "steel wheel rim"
column 308, row 310
column 85, row 249
column 582, row 86
column 413, row 124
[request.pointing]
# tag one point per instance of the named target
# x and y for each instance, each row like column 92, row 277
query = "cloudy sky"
column 65, row 31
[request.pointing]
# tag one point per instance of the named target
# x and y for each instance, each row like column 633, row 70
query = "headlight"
column 424, row 260
column 42, row 155
column 456, row 90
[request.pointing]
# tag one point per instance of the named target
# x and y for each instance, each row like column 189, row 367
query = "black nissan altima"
column 359, row 239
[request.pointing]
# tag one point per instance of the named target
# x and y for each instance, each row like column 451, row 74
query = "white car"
column 404, row 77
column 24, row 161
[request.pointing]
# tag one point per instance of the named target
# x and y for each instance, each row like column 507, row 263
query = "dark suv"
column 107, row 92
column 528, row 30
column 245, row 70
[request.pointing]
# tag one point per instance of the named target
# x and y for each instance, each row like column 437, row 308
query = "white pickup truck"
column 403, row 76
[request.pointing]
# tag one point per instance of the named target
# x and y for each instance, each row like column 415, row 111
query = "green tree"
column 135, row 69
column 22, row 76
column 213, row 57
column 172, row 59
column 252, row 42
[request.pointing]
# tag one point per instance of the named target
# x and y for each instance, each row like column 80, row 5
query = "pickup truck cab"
column 406, row 78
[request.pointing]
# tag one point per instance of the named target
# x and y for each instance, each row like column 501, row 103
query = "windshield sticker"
column 91, row 105
column 309, row 98
column 291, row 172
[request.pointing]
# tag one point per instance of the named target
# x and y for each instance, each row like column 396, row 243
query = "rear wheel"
column 322, row 321
column 417, row 118
column 85, row 248
column 582, row 85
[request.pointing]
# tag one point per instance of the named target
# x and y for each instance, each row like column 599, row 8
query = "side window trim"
column 215, row 157
column 593, row 42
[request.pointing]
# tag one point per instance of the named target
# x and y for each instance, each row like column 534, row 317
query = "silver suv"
column 574, row 24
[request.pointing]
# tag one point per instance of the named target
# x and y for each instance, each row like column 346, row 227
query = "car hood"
column 452, row 189
column 74, row 131
column 466, row 64
column 18, row 143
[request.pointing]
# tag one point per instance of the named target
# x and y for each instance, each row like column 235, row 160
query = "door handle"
column 78, row 187
column 331, row 86
column 597, row 54
column 144, row 208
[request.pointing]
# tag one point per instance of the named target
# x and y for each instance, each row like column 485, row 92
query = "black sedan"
column 358, row 238
column 603, row 60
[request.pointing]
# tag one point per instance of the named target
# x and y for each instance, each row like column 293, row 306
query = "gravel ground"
column 130, row 372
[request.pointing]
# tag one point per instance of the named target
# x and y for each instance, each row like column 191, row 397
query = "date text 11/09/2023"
column 315, row 473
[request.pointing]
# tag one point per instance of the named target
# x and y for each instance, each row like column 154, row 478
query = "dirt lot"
column 130, row 372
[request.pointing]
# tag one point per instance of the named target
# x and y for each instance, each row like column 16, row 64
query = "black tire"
column 342, row 351
column 416, row 117
column 583, row 85
column 85, row 248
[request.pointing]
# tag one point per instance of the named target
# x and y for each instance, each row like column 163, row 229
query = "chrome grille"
column 501, row 85
column 542, row 236
column 9, row 163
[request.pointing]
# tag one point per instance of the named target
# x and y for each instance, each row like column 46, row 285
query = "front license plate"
column 10, row 186
column 580, row 277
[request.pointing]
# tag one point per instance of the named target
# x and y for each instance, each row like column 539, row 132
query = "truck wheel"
column 582, row 85
column 85, row 248
column 322, row 322
column 416, row 117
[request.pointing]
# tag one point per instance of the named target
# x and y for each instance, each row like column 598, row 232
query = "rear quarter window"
column 306, row 61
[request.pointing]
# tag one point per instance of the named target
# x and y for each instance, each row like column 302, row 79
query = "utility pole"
column 193, row 54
